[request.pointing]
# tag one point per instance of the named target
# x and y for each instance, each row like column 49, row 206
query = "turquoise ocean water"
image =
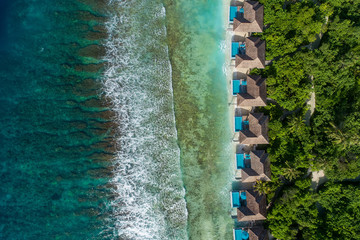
column 56, row 129
column 196, row 33
column 113, row 120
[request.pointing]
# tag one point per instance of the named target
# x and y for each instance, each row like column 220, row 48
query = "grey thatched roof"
column 255, row 208
column 256, row 92
column 254, row 55
column 257, row 132
column 252, row 20
column 258, row 233
column 260, row 167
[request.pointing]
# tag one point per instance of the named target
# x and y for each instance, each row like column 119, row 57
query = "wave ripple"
column 149, row 201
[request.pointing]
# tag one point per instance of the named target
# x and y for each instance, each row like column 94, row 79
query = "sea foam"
column 149, row 202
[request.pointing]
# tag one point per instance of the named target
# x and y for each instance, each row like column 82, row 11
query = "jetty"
column 248, row 92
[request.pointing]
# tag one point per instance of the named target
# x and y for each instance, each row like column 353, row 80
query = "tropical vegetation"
column 313, row 82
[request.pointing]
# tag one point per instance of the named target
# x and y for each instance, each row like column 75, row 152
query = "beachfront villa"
column 251, row 206
column 253, row 166
column 250, row 128
column 249, row 54
column 248, row 18
column 255, row 131
column 250, row 92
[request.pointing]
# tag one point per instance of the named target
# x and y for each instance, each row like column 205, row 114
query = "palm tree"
column 262, row 187
column 290, row 173
column 296, row 124
column 341, row 138
column 337, row 135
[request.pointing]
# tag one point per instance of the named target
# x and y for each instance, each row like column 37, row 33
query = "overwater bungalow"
column 253, row 166
column 254, row 233
column 250, row 92
column 251, row 206
column 253, row 129
column 249, row 18
column 249, row 54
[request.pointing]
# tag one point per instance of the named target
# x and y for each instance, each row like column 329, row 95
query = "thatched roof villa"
column 256, row 131
column 258, row 233
column 254, row 166
column 252, row 92
column 250, row 54
column 251, row 206
column 248, row 19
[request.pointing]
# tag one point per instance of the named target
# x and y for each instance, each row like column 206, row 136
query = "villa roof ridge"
column 252, row 19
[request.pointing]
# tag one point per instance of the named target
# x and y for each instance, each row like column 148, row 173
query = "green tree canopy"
column 341, row 211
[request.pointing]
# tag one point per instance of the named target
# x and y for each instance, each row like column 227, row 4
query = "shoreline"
column 202, row 115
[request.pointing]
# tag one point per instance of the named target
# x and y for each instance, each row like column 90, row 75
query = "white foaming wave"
column 223, row 46
column 227, row 69
column 149, row 201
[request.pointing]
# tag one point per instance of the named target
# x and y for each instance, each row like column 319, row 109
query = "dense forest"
column 313, row 49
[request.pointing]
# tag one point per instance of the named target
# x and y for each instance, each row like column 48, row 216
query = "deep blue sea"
column 113, row 120
column 55, row 130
